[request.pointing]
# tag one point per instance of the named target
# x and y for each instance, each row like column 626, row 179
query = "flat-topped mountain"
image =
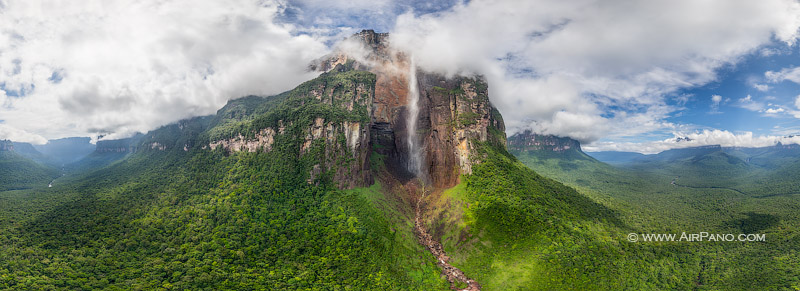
column 375, row 175
column 424, row 123
column 528, row 140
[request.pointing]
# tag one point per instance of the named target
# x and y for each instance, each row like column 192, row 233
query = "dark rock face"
column 453, row 112
column 532, row 141
column 456, row 113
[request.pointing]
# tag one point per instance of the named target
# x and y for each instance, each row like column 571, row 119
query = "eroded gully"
column 452, row 273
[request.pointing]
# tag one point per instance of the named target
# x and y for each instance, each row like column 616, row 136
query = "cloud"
column 786, row 74
column 774, row 110
column 749, row 104
column 715, row 101
column 796, row 113
column 768, row 109
column 699, row 138
column 14, row 134
column 786, row 131
column 768, row 52
column 761, row 87
column 553, row 51
column 339, row 18
column 682, row 99
column 118, row 67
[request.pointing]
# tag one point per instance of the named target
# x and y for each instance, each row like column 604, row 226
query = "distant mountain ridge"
column 66, row 150
column 763, row 156
column 56, row 152
column 567, row 150
column 528, row 140
column 105, row 153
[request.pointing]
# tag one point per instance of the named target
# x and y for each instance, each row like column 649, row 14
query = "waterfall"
column 414, row 155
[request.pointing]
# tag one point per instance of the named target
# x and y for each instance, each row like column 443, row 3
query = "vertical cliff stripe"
column 414, row 154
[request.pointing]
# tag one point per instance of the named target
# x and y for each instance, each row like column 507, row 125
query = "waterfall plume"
column 414, row 155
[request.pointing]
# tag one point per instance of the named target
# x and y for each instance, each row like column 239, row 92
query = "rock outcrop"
column 529, row 141
column 346, row 152
column 327, row 118
column 6, row 146
column 457, row 114
column 359, row 106
column 261, row 142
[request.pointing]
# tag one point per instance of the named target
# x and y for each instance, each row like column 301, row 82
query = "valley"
column 693, row 190
column 379, row 175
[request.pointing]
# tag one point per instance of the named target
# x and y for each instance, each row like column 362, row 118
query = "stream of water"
column 414, row 165
column 454, row 275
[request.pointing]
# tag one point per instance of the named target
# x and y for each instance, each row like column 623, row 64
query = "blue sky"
column 615, row 75
column 736, row 82
column 742, row 99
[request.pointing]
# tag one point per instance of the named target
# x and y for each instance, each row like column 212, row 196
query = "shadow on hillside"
column 754, row 222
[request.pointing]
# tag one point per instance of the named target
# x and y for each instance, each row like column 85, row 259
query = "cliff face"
column 454, row 113
column 327, row 119
column 6, row 146
column 114, row 146
column 532, row 141
column 359, row 108
column 345, row 141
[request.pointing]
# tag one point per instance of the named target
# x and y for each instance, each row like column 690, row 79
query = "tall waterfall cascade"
column 414, row 154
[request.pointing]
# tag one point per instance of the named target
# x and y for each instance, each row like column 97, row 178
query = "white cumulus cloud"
column 750, row 104
column 786, row 74
column 116, row 67
column 761, row 87
column 774, row 110
column 585, row 69
column 716, row 99
column 14, row 134
column 698, row 138
column 597, row 59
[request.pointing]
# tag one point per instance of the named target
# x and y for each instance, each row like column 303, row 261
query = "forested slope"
column 693, row 191
column 18, row 172
column 178, row 215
